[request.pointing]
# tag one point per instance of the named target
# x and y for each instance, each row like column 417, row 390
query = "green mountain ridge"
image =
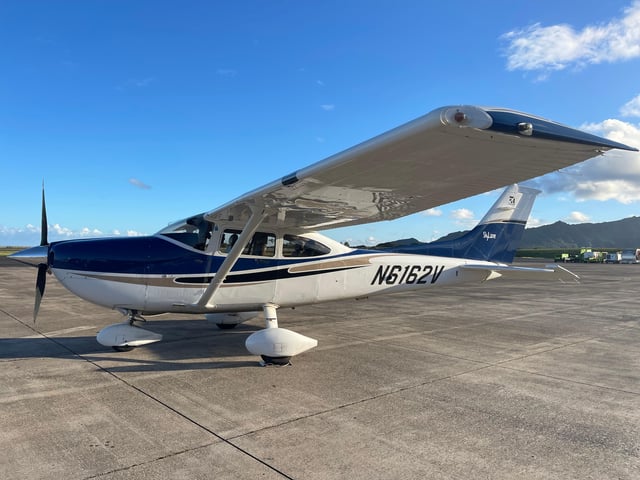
column 620, row 234
column 623, row 233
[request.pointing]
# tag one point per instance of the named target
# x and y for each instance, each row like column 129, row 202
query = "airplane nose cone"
column 32, row 256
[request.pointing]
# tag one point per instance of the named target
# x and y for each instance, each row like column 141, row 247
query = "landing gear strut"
column 132, row 316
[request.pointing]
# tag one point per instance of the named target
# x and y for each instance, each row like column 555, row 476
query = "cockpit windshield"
column 193, row 231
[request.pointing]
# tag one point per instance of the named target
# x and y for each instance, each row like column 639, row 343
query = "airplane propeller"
column 41, row 279
column 38, row 257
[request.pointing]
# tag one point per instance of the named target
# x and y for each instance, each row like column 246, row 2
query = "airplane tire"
column 124, row 348
column 276, row 360
column 226, row 326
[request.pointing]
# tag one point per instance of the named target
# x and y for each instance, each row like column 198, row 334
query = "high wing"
column 449, row 154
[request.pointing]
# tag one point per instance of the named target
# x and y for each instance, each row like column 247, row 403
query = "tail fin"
column 495, row 238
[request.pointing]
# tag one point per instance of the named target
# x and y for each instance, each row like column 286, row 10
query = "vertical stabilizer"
column 495, row 238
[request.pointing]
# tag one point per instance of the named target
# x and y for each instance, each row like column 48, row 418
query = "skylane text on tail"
column 261, row 251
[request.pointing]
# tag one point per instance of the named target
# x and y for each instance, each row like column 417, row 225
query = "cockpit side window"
column 262, row 244
column 296, row 246
column 193, row 231
column 228, row 239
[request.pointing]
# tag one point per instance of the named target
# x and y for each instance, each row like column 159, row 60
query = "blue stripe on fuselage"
column 152, row 255
column 130, row 255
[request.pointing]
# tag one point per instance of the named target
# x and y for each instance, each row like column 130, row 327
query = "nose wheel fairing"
column 124, row 336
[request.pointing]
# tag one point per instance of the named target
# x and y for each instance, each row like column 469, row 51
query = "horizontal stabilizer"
column 548, row 272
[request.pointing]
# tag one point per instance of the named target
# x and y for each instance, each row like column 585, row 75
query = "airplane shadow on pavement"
column 187, row 345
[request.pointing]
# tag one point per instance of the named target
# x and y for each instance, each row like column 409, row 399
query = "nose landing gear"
column 123, row 337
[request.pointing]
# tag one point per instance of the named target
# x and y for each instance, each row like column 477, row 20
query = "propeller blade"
column 41, row 281
column 44, row 226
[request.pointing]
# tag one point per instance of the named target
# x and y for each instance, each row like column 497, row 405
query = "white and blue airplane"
column 261, row 251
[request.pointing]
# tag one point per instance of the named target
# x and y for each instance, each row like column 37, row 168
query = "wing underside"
column 446, row 155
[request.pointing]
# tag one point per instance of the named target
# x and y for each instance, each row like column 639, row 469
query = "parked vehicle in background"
column 630, row 255
column 564, row 258
column 587, row 255
column 613, row 257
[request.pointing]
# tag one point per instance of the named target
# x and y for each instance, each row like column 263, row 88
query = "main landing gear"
column 123, row 337
column 277, row 345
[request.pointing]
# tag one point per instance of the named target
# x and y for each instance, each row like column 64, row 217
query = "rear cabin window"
column 262, row 244
column 296, row 246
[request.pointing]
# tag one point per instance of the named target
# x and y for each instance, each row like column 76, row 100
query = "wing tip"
column 524, row 124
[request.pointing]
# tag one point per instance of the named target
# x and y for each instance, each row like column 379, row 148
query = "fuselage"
column 161, row 273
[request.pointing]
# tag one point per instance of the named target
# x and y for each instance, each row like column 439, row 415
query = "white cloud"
column 462, row 214
column 616, row 130
column 88, row 232
column 631, row 108
column 557, row 47
column 612, row 176
column 619, row 190
column 463, row 217
column 577, row 217
column 30, row 235
column 139, row 183
column 327, row 107
column 432, row 212
column 533, row 222
column 60, row 231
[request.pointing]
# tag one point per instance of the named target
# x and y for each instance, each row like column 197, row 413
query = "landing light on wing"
column 525, row 128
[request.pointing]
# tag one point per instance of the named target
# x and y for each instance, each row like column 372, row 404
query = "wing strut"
column 258, row 214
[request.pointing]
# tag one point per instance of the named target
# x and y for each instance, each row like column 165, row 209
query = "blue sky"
column 138, row 113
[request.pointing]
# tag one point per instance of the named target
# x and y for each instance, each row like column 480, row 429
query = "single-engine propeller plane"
column 261, row 251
